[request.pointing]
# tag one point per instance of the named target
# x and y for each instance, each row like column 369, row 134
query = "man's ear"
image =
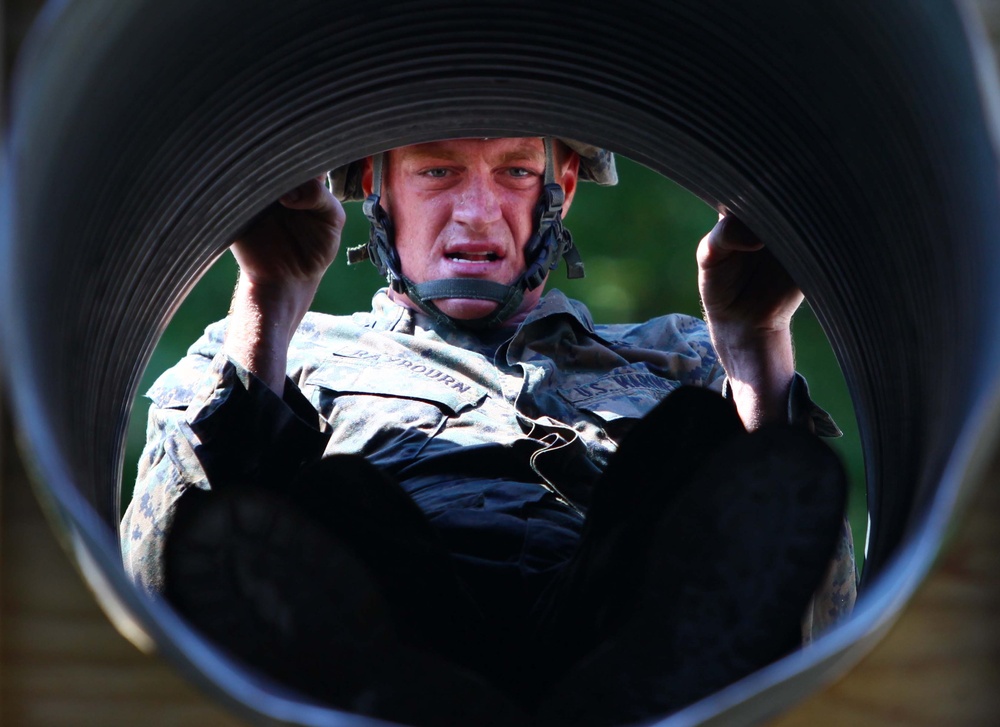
column 568, row 178
column 366, row 176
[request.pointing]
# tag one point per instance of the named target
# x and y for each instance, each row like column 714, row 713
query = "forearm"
column 262, row 321
column 282, row 256
column 749, row 300
column 760, row 367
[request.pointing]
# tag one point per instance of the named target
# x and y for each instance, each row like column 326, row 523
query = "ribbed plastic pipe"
column 857, row 139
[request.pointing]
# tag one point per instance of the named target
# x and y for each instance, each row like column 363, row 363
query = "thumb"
column 729, row 236
column 310, row 195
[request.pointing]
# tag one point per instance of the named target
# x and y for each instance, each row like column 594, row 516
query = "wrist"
column 751, row 344
column 281, row 302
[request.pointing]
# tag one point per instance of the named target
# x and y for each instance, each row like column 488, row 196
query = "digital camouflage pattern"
column 459, row 420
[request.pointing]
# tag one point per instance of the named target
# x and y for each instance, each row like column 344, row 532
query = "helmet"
column 550, row 242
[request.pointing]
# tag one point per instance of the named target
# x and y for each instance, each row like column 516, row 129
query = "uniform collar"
column 555, row 303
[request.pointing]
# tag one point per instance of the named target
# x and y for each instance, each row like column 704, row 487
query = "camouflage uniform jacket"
column 529, row 415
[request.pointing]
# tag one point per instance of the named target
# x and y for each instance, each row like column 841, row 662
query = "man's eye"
column 519, row 172
column 437, row 173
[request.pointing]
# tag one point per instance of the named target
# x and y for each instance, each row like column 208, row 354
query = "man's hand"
column 283, row 254
column 294, row 241
column 749, row 300
column 743, row 287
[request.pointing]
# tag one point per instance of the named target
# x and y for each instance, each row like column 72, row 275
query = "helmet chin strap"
column 549, row 243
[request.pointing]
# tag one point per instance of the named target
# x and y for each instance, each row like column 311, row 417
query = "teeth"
column 473, row 257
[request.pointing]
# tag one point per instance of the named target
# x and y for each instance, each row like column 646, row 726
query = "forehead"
column 505, row 148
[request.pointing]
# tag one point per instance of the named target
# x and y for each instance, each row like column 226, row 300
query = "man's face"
column 465, row 208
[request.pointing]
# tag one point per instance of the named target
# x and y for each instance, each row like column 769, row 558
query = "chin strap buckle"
column 379, row 248
column 551, row 241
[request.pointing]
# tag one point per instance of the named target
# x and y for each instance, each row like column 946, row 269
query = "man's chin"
column 465, row 309
column 468, row 309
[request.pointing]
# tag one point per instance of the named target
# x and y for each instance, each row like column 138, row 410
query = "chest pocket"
column 397, row 393
column 620, row 397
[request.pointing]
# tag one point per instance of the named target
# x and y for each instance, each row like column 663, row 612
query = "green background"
column 638, row 242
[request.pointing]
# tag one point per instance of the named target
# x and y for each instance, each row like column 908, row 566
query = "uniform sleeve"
column 835, row 597
column 802, row 410
column 212, row 424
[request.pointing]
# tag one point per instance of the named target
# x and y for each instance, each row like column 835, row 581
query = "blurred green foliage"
column 638, row 242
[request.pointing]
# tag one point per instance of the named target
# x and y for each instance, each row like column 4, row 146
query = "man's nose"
column 478, row 202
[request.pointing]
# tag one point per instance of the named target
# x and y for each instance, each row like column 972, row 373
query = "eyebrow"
column 522, row 154
column 436, row 150
column 430, row 151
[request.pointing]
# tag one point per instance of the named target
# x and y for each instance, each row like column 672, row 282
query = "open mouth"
column 473, row 257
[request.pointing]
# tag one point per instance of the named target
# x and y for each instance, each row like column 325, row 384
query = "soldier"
column 472, row 505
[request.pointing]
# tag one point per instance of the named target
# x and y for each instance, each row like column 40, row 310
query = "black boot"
column 732, row 565
column 275, row 588
column 644, row 479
